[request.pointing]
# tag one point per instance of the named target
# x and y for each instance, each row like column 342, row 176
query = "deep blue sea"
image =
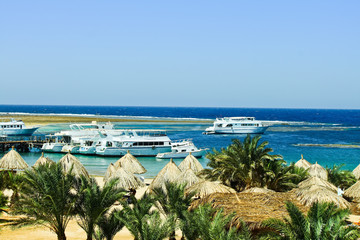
column 298, row 126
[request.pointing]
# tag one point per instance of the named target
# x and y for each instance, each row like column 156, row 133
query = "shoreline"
column 44, row 119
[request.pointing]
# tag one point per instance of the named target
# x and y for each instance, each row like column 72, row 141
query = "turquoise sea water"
column 299, row 126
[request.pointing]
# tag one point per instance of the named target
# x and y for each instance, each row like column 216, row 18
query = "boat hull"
column 109, row 151
column 255, row 130
column 18, row 132
column 87, row 150
column 52, row 147
column 146, row 151
column 197, row 154
column 71, row 149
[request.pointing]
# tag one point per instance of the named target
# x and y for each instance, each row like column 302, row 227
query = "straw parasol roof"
column 317, row 170
column 193, row 162
column 253, row 208
column 302, row 163
column 311, row 181
column 258, row 190
column 308, row 196
column 130, row 163
column 43, row 160
column 109, row 172
column 356, row 172
column 168, row 174
column 127, row 180
column 13, row 161
column 69, row 161
column 188, row 177
column 353, row 192
column 204, row 188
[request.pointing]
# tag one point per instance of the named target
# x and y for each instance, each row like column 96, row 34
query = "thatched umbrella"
column 258, row 190
column 188, row 177
column 353, row 192
column 356, row 172
column 205, row 187
column 317, row 170
column 43, row 160
column 193, row 162
column 302, row 163
column 168, row 174
column 127, row 180
column 308, row 196
column 109, row 172
column 253, row 208
column 69, row 161
column 13, row 161
column 130, row 163
column 311, row 181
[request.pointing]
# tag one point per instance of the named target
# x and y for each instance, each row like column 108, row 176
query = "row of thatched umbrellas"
column 125, row 169
column 317, row 188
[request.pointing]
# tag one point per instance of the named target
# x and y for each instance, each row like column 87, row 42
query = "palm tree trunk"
column 61, row 235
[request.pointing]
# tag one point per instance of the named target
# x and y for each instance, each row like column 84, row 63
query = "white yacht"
column 236, row 125
column 182, row 148
column 108, row 146
column 16, row 128
column 79, row 133
column 88, row 147
column 53, row 144
column 145, row 142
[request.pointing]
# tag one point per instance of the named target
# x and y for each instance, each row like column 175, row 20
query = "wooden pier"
column 20, row 145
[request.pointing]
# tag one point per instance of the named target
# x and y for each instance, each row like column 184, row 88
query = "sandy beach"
column 39, row 120
column 73, row 230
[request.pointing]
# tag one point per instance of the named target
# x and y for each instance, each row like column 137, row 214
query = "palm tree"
column 3, row 202
column 280, row 177
column 340, row 178
column 207, row 223
column 47, row 196
column 135, row 216
column 94, row 202
column 323, row 221
column 155, row 228
column 172, row 201
column 241, row 165
column 108, row 225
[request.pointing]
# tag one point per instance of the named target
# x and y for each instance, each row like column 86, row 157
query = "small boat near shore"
column 181, row 149
column 15, row 128
column 236, row 125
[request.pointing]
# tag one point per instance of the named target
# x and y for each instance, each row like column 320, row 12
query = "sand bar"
column 31, row 120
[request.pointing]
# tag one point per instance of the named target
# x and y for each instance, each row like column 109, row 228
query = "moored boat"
column 181, row 149
column 16, row 128
column 236, row 125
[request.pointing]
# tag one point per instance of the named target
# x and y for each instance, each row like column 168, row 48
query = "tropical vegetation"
column 48, row 197
column 323, row 221
column 247, row 164
column 340, row 178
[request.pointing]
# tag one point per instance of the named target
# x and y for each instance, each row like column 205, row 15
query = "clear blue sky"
column 293, row 54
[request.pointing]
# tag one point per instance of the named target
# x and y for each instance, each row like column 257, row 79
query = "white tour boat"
column 53, row 144
column 182, row 148
column 108, row 146
column 16, row 128
column 145, row 142
column 236, row 125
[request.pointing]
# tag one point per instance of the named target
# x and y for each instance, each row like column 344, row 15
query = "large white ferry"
column 16, row 128
column 236, row 125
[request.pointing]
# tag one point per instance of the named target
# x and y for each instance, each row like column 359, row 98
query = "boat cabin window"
column 229, row 125
column 183, row 150
column 109, row 144
column 219, row 125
